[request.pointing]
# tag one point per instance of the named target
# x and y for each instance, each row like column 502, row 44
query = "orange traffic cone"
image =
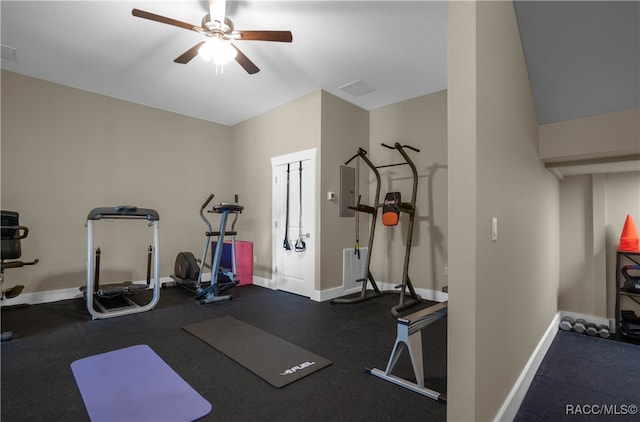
column 629, row 241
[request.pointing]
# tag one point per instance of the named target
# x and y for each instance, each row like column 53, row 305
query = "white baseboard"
column 48, row 296
column 43, row 297
column 328, row 294
column 264, row 282
column 513, row 401
column 426, row 294
column 336, row 292
column 316, row 295
column 510, row 407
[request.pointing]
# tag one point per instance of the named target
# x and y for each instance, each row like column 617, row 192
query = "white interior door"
column 294, row 266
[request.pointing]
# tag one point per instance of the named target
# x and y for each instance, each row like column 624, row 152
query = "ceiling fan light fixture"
column 220, row 32
column 220, row 51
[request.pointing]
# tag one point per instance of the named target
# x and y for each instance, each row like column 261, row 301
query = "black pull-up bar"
column 361, row 153
column 397, row 144
column 400, row 148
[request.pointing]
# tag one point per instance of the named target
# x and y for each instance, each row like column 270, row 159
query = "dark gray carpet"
column 585, row 378
column 37, row 383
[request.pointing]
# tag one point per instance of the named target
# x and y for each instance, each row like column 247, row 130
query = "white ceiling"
column 583, row 57
column 398, row 48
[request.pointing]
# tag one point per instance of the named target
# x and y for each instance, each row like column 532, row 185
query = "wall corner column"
column 462, row 162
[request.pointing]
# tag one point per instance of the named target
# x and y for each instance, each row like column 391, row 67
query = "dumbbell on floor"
column 583, row 327
column 603, row 331
column 566, row 324
column 592, row 329
column 580, row 326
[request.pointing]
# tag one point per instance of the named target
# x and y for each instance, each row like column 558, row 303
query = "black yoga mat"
column 276, row 361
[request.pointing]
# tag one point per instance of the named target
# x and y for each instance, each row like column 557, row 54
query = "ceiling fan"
column 219, row 32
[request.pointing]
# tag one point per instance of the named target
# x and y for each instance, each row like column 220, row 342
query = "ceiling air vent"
column 357, row 88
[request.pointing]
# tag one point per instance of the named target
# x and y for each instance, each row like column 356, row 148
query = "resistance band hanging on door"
column 300, row 245
column 287, row 245
column 356, row 249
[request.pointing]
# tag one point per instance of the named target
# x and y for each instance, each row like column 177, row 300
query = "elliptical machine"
column 188, row 270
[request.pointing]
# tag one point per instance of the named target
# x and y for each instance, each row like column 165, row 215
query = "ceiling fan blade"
column 244, row 61
column 280, row 36
column 189, row 54
column 162, row 19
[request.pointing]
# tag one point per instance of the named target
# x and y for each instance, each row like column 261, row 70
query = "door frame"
column 276, row 243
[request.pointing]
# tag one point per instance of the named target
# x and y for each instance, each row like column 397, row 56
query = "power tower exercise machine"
column 188, row 270
column 366, row 294
column 391, row 209
column 95, row 293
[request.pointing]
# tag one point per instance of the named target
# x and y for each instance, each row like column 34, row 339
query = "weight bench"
column 409, row 336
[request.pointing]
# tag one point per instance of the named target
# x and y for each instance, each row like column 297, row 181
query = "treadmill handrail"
column 123, row 211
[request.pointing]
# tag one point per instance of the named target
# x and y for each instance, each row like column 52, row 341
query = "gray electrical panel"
column 347, row 191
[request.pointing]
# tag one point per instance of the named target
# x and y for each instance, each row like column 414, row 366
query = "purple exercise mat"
column 135, row 384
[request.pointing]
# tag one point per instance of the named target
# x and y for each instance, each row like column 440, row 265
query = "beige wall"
column 622, row 198
column 576, row 246
column 292, row 127
column 66, row 151
column 605, row 135
column 499, row 313
column 593, row 209
column 345, row 128
column 462, row 151
column 319, row 120
column 87, row 150
column 422, row 123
